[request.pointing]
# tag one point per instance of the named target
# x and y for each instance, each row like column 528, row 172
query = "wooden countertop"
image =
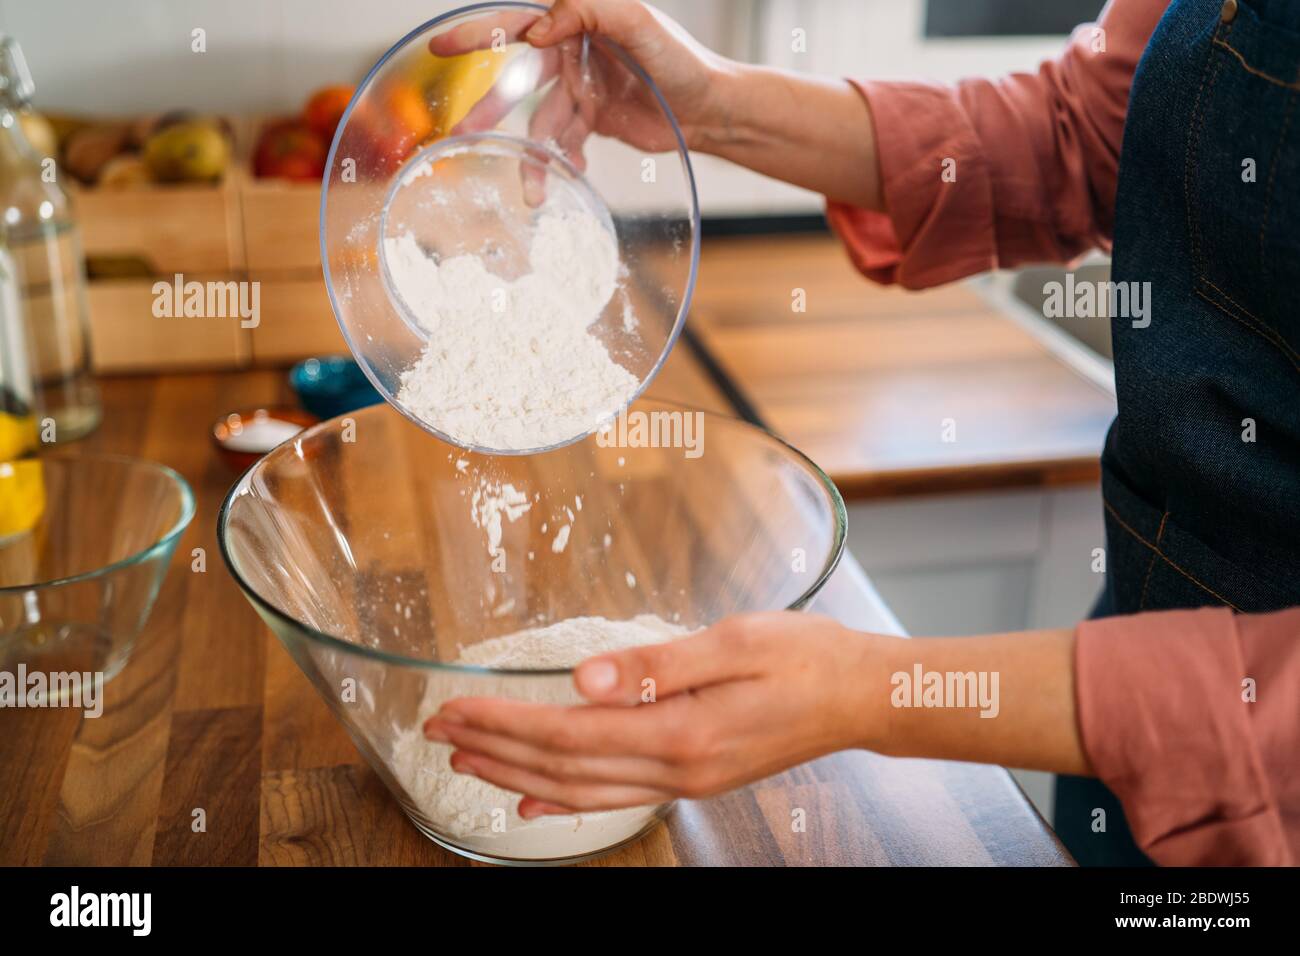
column 211, row 712
column 863, row 380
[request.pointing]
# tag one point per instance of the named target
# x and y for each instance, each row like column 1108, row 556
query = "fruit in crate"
column 140, row 129
column 64, row 125
column 39, row 133
column 91, row 148
column 288, row 149
column 177, row 147
column 324, row 110
column 191, row 151
column 143, row 128
column 124, row 171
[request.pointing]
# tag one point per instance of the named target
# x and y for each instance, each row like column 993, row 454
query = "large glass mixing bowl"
column 454, row 145
column 376, row 553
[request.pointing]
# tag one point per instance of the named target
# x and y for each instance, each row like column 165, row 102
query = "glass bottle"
column 22, row 490
column 39, row 231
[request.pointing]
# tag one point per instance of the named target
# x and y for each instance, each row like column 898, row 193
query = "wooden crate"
column 297, row 321
column 242, row 229
column 153, row 234
column 160, row 230
column 134, row 237
column 280, row 222
column 127, row 337
column 163, row 230
column 282, row 252
column 279, row 217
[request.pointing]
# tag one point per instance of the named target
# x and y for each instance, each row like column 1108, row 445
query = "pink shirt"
column 1192, row 717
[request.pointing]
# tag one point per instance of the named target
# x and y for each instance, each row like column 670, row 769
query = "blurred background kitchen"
column 267, row 57
column 961, row 424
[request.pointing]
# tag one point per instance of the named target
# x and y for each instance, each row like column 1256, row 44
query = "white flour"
column 511, row 364
column 491, row 502
column 481, row 817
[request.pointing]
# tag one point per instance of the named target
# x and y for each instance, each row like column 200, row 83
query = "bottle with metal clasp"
column 38, row 230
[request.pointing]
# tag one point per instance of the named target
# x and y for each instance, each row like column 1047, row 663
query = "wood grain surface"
column 212, row 714
column 864, row 377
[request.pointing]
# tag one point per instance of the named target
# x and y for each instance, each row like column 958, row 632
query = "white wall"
column 130, row 56
column 115, row 57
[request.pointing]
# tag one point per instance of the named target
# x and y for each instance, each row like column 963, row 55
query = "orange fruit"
column 325, row 108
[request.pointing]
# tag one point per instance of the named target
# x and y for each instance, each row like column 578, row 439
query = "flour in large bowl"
column 480, row 817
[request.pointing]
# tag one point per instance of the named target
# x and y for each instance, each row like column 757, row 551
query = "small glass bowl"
column 447, row 140
column 77, row 588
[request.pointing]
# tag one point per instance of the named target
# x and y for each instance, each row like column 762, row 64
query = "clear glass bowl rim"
column 840, row 517
column 166, row 540
column 691, row 278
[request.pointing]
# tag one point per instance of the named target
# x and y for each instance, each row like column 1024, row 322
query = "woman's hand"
column 595, row 92
column 686, row 72
column 810, row 131
column 756, row 694
column 742, row 700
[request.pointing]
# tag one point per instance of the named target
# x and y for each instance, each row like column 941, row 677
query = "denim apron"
column 1201, row 469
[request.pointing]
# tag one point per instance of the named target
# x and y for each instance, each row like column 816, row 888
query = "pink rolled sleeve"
column 1192, row 718
column 1033, row 160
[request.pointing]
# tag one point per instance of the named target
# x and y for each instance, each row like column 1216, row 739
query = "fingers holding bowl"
column 482, row 34
column 580, row 796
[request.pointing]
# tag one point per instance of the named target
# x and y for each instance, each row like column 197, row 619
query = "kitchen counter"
column 891, row 392
column 211, row 713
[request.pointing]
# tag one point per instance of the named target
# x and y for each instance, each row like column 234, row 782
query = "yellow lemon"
column 467, row 80
column 17, row 435
column 22, row 496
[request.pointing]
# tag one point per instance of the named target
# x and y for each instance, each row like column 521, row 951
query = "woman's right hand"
column 686, row 72
column 578, row 104
column 812, row 131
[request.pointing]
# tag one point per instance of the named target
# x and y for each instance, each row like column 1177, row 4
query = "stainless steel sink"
column 1082, row 343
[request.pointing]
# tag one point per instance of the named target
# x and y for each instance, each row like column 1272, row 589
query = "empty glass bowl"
column 460, row 139
column 76, row 588
column 376, row 554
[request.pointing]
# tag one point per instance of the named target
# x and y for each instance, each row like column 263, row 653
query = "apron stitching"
column 1160, row 554
column 1253, row 70
column 1272, row 176
column 1142, row 601
column 1210, row 70
column 1252, row 323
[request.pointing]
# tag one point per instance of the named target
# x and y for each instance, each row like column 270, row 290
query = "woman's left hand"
column 741, row 700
